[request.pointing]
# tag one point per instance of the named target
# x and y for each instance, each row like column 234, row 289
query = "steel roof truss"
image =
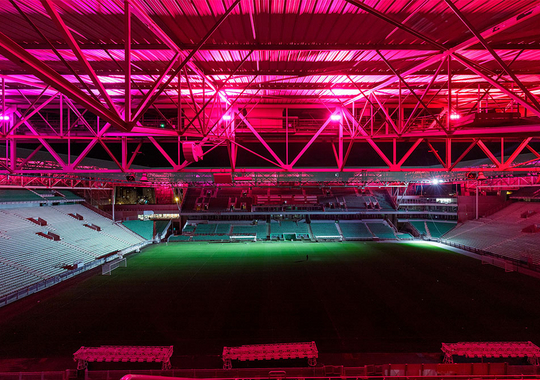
column 496, row 84
column 62, row 27
column 484, row 43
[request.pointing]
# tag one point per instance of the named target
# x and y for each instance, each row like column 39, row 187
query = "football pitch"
column 347, row 297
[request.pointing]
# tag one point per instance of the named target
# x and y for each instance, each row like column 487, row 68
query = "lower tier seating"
column 27, row 258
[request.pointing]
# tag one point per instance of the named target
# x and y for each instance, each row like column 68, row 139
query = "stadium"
column 269, row 189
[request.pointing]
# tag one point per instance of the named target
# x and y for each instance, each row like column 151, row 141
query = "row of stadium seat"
column 432, row 228
column 317, row 230
column 503, row 233
column 27, row 258
column 227, row 199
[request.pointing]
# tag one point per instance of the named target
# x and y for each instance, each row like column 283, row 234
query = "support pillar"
column 113, row 202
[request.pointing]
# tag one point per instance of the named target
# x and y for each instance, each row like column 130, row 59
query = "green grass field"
column 348, row 297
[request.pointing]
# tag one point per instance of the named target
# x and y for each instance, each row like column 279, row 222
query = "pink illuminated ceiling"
column 425, row 86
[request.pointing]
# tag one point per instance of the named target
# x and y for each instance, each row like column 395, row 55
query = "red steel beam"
column 411, row 90
column 519, row 149
column 62, row 27
column 263, row 142
column 489, row 32
column 179, row 67
column 397, row 24
column 484, row 43
column 15, row 53
column 465, row 62
column 127, row 60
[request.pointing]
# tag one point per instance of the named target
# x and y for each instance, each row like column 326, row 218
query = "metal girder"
column 241, row 46
column 397, row 24
column 506, row 69
column 178, row 67
column 263, row 142
column 216, row 94
column 299, row 155
column 465, row 62
column 68, row 36
column 127, row 59
column 15, row 53
column 411, row 90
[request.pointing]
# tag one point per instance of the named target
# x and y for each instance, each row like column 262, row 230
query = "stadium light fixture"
column 435, row 181
column 226, row 117
column 4, row 117
column 335, row 117
column 455, row 116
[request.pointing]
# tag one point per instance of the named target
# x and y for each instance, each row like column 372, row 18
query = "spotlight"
column 435, row 181
column 335, row 117
column 144, row 178
column 226, row 117
column 455, row 116
column 4, row 117
column 162, row 125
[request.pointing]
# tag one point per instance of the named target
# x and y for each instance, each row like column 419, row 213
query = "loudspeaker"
column 192, row 151
column 130, row 178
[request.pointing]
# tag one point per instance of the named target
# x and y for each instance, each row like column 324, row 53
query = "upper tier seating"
column 220, row 199
column 18, row 195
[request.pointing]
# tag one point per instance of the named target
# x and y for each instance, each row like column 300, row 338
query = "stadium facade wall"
column 431, row 371
column 487, row 205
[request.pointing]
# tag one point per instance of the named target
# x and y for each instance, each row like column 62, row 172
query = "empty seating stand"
column 439, row 229
column 35, row 256
column 143, row 228
column 247, row 231
column 381, row 230
column 420, row 226
column 491, row 350
column 501, row 234
column 355, row 231
column 325, row 231
column 270, row 352
column 158, row 354
column 174, row 238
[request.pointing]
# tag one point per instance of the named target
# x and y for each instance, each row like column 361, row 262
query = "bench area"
column 158, row 354
column 270, row 352
column 491, row 350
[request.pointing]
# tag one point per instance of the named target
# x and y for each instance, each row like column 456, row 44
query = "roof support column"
column 484, row 43
column 127, row 59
